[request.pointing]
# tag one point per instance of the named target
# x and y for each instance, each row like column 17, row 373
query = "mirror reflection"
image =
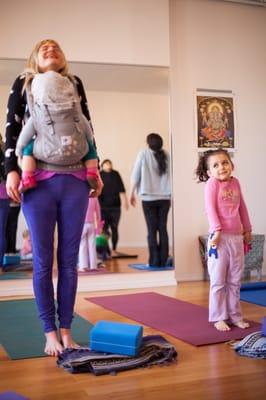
column 126, row 103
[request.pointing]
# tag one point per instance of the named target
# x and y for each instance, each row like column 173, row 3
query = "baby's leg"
column 28, row 166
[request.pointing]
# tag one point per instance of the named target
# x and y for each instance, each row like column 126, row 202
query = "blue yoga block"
column 11, row 259
column 116, row 338
column 264, row 326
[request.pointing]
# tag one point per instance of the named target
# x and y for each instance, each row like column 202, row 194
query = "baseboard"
column 94, row 283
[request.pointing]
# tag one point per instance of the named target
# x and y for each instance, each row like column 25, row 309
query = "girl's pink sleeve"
column 211, row 198
column 243, row 212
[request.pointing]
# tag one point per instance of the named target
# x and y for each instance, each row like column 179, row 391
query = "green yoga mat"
column 6, row 276
column 21, row 332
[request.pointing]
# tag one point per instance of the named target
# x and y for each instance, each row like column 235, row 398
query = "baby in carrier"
column 57, row 136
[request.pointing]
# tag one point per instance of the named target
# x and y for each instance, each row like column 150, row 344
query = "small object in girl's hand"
column 247, row 247
column 213, row 251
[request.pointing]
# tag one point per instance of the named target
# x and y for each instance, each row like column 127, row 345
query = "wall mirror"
column 126, row 103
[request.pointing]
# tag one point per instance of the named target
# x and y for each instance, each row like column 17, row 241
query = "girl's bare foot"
column 222, row 326
column 241, row 324
column 67, row 340
column 52, row 347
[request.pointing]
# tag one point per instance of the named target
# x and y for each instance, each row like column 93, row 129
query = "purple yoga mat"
column 12, row 396
column 183, row 320
column 98, row 271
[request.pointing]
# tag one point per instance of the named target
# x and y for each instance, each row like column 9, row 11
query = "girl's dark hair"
column 203, row 166
column 155, row 143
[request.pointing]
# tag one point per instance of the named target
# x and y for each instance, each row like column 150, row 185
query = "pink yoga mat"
column 183, row 320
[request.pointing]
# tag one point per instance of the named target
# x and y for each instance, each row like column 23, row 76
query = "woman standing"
column 61, row 197
column 151, row 180
column 113, row 194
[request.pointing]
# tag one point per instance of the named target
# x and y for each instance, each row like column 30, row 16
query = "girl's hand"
column 216, row 238
column 247, row 237
column 12, row 183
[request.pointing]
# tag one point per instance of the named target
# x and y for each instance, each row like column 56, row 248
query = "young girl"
column 229, row 225
column 26, row 249
column 87, row 248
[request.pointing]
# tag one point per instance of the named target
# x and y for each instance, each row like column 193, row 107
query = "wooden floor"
column 212, row 372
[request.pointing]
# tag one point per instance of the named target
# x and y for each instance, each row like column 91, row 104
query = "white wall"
column 121, row 122
column 105, row 31
column 216, row 45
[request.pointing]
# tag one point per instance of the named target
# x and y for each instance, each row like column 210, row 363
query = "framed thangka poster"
column 215, row 120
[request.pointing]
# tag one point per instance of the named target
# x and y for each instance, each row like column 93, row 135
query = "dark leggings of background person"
column 111, row 217
column 11, row 228
column 156, row 213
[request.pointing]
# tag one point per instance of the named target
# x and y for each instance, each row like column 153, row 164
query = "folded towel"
column 155, row 350
column 253, row 345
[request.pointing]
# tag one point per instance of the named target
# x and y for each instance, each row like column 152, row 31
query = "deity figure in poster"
column 215, row 122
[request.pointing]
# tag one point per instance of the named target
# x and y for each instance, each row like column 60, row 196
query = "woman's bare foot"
column 67, row 340
column 52, row 347
column 222, row 326
column 241, row 324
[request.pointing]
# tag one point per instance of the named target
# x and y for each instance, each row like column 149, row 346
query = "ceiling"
column 102, row 77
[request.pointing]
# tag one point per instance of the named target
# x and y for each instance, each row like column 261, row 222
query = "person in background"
column 113, row 194
column 26, row 249
column 150, row 178
column 102, row 247
column 229, row 227
column 4, row 205
column 60, row 198
column 87, row 248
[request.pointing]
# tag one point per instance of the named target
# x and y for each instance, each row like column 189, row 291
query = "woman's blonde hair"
column 32, row 67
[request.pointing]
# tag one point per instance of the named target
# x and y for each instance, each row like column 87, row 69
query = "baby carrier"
column 60, row 128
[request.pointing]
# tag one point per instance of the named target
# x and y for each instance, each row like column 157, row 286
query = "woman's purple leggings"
column 62, row 199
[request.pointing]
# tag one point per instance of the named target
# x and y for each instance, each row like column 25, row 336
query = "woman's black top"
column 113, row 185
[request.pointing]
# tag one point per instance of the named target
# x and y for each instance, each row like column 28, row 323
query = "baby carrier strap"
column 48, row 119
column 59, row 168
